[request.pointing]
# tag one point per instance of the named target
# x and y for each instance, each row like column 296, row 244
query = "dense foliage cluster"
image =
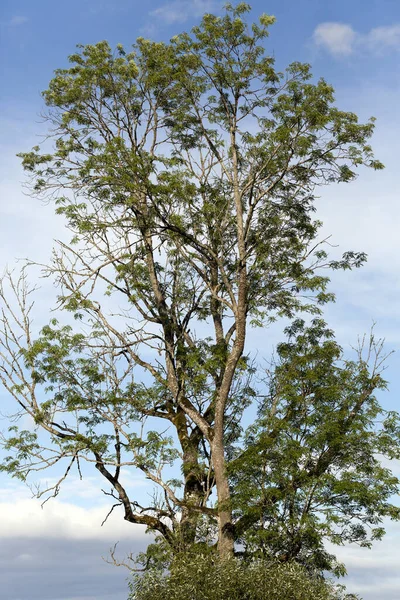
column 199, row 578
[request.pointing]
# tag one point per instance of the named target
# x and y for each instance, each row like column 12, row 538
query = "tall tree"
column 187, row 174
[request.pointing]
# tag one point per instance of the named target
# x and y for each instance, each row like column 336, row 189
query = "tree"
column 311, row 469
column 187, row 173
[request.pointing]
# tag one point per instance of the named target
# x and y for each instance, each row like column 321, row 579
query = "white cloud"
column 76, row 513
column 24, row 517
column 337, row 38
column 340, row 39
column 180, row 11
column 373, row 573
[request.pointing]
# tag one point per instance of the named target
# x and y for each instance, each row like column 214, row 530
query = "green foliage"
column 312, row 465
column 201, row 93
column 203, row 577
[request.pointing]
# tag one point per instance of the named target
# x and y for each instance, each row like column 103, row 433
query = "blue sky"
column 355, row 45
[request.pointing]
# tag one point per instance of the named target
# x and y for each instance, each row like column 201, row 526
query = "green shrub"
column 206, row 578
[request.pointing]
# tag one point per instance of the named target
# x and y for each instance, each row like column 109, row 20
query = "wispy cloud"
column 17, row 20
column 341, row 39
column 179, row 11
column 384, row 37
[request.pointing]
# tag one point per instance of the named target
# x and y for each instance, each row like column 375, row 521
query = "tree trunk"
column 225, row 525
column 193, row 494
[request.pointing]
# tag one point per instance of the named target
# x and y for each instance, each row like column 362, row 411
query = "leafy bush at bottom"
column 206, row 578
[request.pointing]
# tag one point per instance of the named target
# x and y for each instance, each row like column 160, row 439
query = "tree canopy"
column 188, row 174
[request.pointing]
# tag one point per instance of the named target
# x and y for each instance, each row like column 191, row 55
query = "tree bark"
column 193, row 494
column 225, row 525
